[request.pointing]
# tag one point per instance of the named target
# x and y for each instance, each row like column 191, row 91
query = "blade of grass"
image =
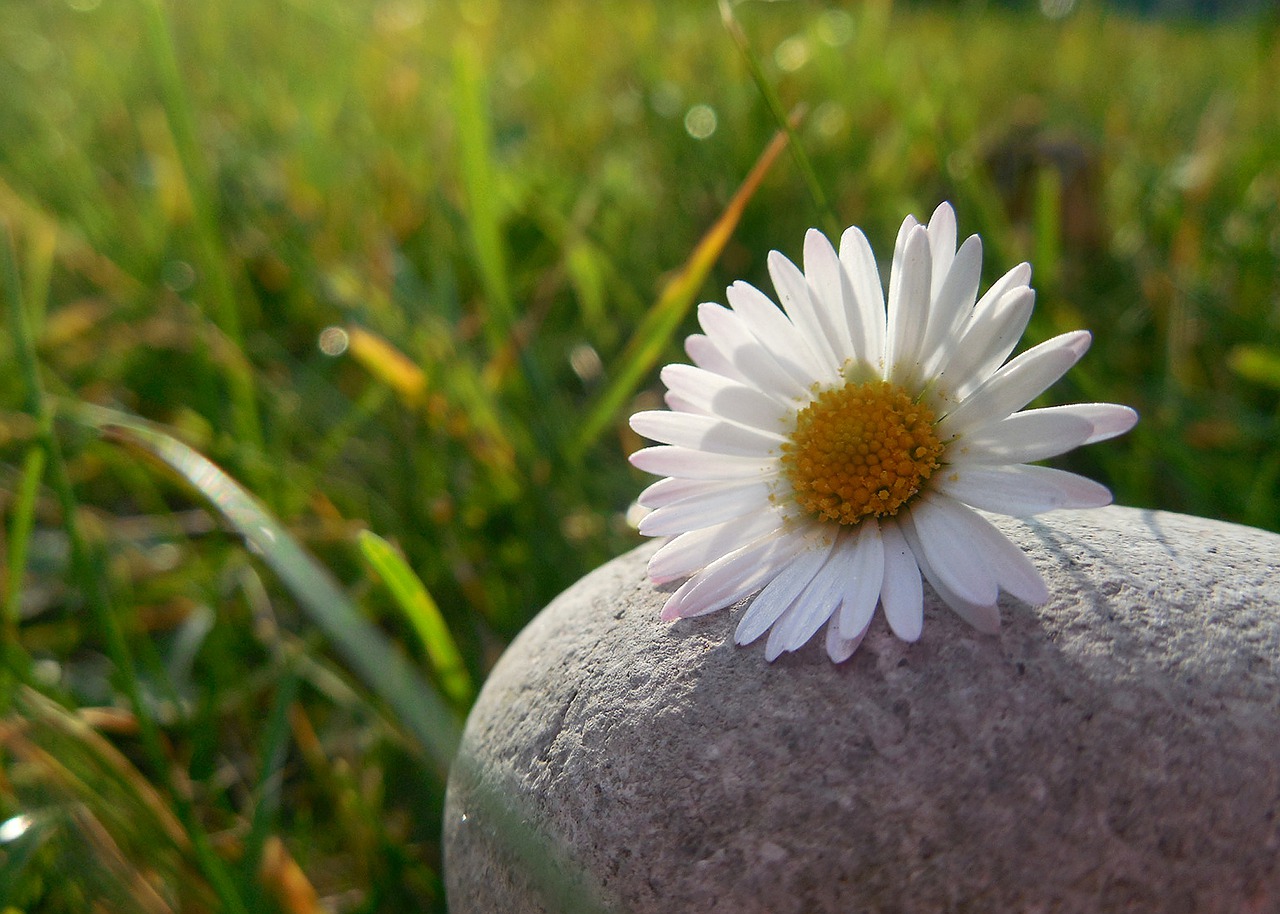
column 415, row 601
column 786, row 124
column 89, row 570
column 674, row 302
column 223, row 303
column 370, row 654
column 475, row 158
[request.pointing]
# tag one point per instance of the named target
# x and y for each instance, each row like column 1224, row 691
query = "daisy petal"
column 732, row 577
column 706, row 510
column 1021, row 438
column 668, row 460
column 1021, row 491
column 1108, row 419
column 983, row 347
column 705, row 433
column 864, row 555
column 703, row 352
column 942, row 245
column 793, row 295
column 714, row 395
column 778, row 594
column 811, row 609
column 685, row 554
column 901, row 594
column 985, row 617
column 832, row 293
column 908, row 308
column 753, row 357
column 839, row 648
column 952, row 302
column 771, row 327
column 670, row 489
column 1016, row 384
column 867, row 315
column 947, row 531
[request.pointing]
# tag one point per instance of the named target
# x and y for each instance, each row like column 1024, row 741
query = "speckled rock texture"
column 1116, row 749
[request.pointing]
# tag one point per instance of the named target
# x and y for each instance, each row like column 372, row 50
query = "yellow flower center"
column 858, row 450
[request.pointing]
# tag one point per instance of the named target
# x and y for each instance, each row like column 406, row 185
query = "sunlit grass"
column 400, row 269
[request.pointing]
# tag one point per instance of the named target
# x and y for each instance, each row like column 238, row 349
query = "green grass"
column 381, row 262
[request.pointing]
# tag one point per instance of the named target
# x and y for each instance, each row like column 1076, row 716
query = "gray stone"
column 1116, row 749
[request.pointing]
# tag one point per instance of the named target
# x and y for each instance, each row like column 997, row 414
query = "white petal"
column 839, row 648
column 952, row 303
column 704, row 433
column 772, row 327
column 811, row 609
column 670, row 489
column 1020, row 491
column 864, row 554
column 703, row 353
column 706, row 510
column 1016, row 384
column 732, row 577
column 1021, row 438
column 984, row 346
column 753, row 357
column 1108, row 419
column 947, row 531
column 715, row 395
column 667, row 460
column 942, row 245
column 793, row 295
column 777, row 595
column 908, row 308
column 690, row 552
column 832, row 294
column 901, row 594
column 867, row 317
column 985, row 617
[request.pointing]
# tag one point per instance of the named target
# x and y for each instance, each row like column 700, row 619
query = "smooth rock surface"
column 1116, row 749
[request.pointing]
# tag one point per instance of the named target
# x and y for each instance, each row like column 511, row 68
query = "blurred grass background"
column 383, row 263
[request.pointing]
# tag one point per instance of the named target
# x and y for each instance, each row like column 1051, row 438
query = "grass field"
column 323, row 319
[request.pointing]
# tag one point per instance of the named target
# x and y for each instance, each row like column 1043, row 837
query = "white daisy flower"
column 825, row 455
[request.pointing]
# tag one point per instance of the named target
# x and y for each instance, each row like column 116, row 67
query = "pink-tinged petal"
column 864, row 554
column 1021, row 438
column 985, row 617
column 715, row 395
column 1107, row 419
column 952, row 303
column 706, row 510
column 777, row 595
column 946, row 530
column 1019, row 491
column 901, row 594
column 867, row 317
column 690, row 552
column 908, row 308
column 982, row 348
column 793, row 295
column 773, row 328
column 667, row 460
column 832, row 293
column 1016, row 384
column 733, row 577
column 668, row 490
column 753, row 357
column 703, row 353
column 982, row 546
column 705, row 433
column 808, row 611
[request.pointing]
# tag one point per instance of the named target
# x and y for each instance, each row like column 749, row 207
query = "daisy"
column 827, row 454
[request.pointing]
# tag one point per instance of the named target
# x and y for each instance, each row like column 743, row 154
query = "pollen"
column 860, row 450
